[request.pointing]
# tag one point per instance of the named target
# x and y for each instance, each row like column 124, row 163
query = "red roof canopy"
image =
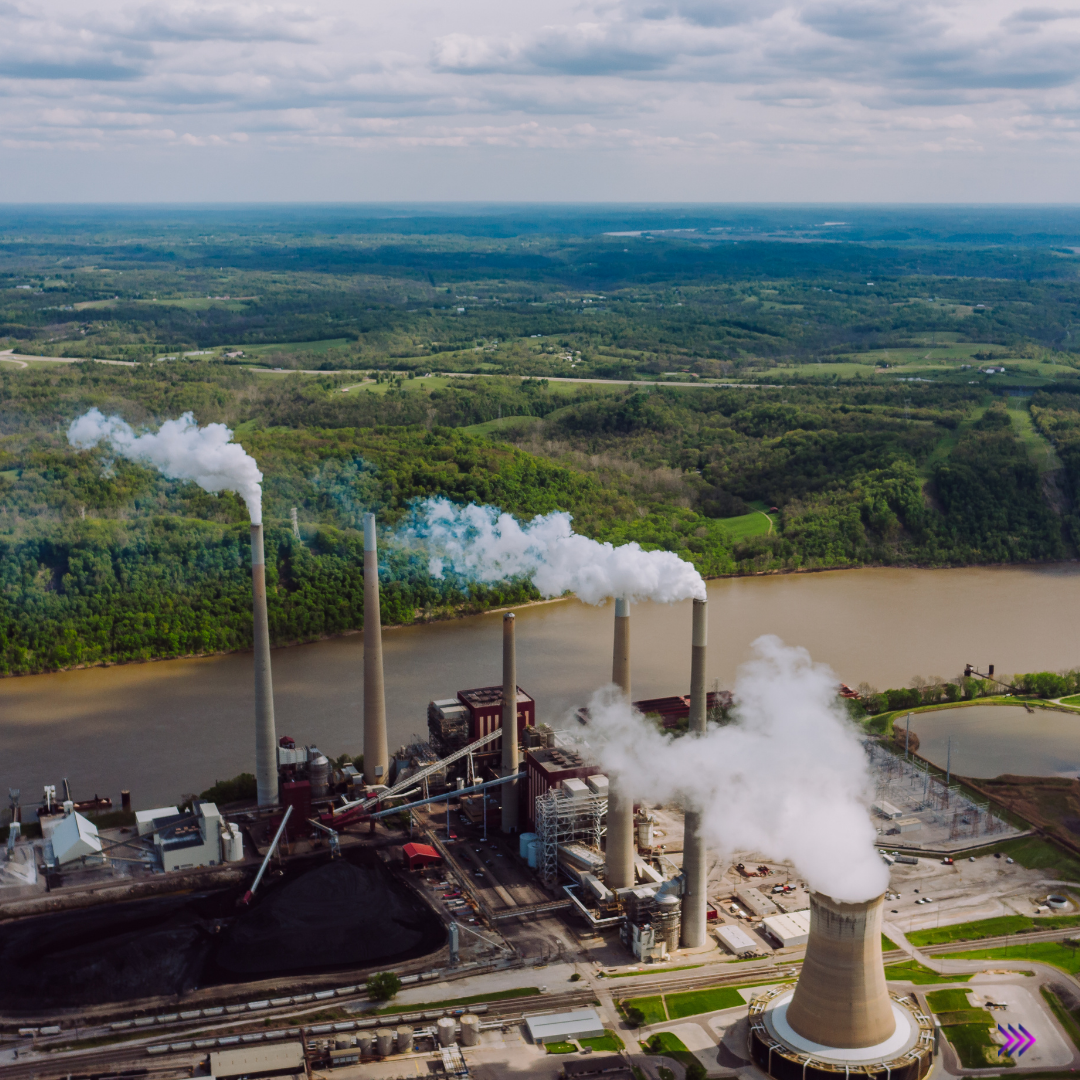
column 423, row 850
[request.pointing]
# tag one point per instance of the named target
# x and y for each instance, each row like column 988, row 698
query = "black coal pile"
column 318, row 916
column 336, row 915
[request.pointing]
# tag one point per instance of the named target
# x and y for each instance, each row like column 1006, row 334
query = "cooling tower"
column 376, row 758
column 509, row 726
column 841, row 1018
column 619, row 855
column 266, row 777
column 695, row 869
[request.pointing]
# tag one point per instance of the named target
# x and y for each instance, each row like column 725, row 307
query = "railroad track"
column 99, row 1063
column 638, row 987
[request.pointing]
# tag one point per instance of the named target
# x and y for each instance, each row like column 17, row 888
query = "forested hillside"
column 792, row 398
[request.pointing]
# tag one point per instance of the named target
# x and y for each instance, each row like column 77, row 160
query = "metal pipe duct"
column 841, row 998
column 620, row 812
column 266, row 777
column 695, row 869
column 509, row 726
column 376, row 757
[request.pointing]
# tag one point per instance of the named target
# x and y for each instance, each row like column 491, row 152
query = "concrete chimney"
column 695, row 868
column 509, row 726
column 266, row 777
column 841, row 999
column 620, row 814
column 376, row 757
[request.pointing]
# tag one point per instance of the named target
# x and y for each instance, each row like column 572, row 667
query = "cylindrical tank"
column 364, row 1040
column 444, row 1028
column 666, row 918
column 384, row 1041
column 404, row 1039
column 319, row 774
column 470, row 1030
column 524, row 840
column 645, row 829
column 342, row 1042
column 534, row 854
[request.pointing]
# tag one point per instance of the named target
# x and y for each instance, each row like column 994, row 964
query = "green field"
column 1055, row 953
column 969, row 1029
column 505, row 425
column 663, row 1042
column 702, row 1001
column 652, row 1008
column 608, row 1042
column 913, row 972
column 560, row 1048
column 1067, row 1019
column 985, row 928
column 888, row 945
column 757, row 523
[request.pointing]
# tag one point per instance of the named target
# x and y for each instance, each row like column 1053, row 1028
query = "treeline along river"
column 173, row 727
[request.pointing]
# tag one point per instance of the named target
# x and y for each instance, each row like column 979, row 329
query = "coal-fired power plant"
column 266, row 772
column 376, row 754
column 840, row 1019
column 695, row 866
column 620, row 814
column 509, row 725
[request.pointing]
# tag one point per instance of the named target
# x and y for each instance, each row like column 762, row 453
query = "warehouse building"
column 558, row 1027
column 755, row 901
column 736, row 940
column 789, row 930
column 278, row 1060
column 75, row 838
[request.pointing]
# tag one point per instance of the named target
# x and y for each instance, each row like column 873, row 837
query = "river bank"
column 171, row 727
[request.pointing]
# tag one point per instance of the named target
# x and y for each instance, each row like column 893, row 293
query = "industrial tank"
column 364, row 1039
column 470, row 1030
column 534, row 854
column 524, row 840
column 444, row 1027
column 404, row 1039
column 384, row 1041
column 319, row 774
column 667, row 912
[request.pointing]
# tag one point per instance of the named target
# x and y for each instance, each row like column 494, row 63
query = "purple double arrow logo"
column 1019, row 1040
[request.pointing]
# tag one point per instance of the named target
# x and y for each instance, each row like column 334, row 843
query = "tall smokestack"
column 376, row 758
column 841, row 998
column 266, row 778
column 509, row 726
column 695, row 872
column 620, row 813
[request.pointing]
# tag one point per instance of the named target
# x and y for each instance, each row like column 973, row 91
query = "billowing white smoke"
column 180, row 450
column 482, row 544
column 788, row 778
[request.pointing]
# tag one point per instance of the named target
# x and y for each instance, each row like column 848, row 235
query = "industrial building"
column 788, row 930
column 75, row 839
column 546, row 768
column 756, row 903
column 736, row 940
column 558, row 1027
column 201, row 838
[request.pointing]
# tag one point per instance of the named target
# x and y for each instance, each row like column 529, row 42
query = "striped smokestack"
column 509, row 726
column 620, row 813
column 266, row 777
column 695, row 872
column 376, row 758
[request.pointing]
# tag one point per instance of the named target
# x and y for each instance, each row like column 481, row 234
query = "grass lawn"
column 506, row 424
column 609, row 1042
column 913, row 972
column 663, row 1042
column 984, row 928
column 476, row 999
column 1067, row 1019
column 652, row 1008
column 702, row 1001
column 948, row 1000
column 1074, row 700
column 975, row 1046
column 560, row 1048
column 1056, row 953
column 887, row 944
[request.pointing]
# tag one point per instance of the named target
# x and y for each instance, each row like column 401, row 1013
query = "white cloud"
column 710, row 80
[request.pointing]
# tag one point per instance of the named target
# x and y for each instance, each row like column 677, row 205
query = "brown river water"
column 173, row 727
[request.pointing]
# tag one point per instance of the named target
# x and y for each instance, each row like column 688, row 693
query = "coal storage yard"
column 316, row 917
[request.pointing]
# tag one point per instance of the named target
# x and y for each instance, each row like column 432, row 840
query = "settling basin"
column 171, row 728
column 990, row 740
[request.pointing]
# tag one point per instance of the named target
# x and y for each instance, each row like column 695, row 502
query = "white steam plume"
column 787, row 778
column 180, row 450
column 480, row 543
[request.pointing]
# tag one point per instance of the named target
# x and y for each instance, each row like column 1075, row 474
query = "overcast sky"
column 714, row 100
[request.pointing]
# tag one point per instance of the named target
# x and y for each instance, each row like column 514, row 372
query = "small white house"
column 75, row 837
